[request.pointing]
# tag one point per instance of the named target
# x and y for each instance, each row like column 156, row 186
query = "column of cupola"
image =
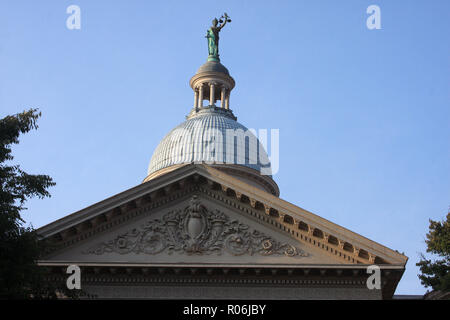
column 211, row 91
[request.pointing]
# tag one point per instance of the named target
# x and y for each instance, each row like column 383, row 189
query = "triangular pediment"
column 228, row 222
column 193, row 230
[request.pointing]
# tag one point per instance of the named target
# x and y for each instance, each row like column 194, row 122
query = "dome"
column 213, row 66
column 212, row 136
column 206, row 138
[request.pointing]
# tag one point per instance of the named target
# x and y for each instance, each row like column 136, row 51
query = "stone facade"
column 205, row 225
column 197, row 232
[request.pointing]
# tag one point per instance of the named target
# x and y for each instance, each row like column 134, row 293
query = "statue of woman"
column 213, row 36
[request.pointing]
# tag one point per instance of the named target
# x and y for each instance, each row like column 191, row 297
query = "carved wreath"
column 195, row 230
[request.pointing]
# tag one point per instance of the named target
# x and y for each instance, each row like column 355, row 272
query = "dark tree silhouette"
column 436, row 274
column 20, row 277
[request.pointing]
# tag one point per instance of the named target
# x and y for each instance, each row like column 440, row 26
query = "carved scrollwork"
column 196, row 230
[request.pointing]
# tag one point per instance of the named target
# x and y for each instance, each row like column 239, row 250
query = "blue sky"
column 363, row 114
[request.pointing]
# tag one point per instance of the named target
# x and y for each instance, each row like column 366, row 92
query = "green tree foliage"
column 20, row 277
column 436, row 274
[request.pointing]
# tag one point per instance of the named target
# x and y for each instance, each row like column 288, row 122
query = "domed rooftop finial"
column 212, row 81
column 211, row 134
column 213, row 36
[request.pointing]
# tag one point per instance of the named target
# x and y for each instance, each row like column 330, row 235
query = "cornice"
column 342, row 250
column 226, row 275
column 304, row 226
column 293, row 218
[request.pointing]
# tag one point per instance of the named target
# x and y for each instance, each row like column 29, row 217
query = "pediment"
column 199, row 215
column 192, row 230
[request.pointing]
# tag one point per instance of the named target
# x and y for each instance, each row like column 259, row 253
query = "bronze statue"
column 213, row 36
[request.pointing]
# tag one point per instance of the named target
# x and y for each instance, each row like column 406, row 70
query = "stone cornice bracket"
column 145, row 200
column 210, row 183
column 182, row 183
column 267, row 209
column 65, row 234
column 161, row 270
column 109, row 215
column 131, row 205
column 310, row 230
column 341, row 244
column 80, row 228
column 167, row 189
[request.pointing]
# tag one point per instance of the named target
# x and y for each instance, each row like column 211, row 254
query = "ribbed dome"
column 203, row 139
column 212, row 136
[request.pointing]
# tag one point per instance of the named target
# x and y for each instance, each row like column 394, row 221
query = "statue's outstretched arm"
column 222, row 25
column 225, row 18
